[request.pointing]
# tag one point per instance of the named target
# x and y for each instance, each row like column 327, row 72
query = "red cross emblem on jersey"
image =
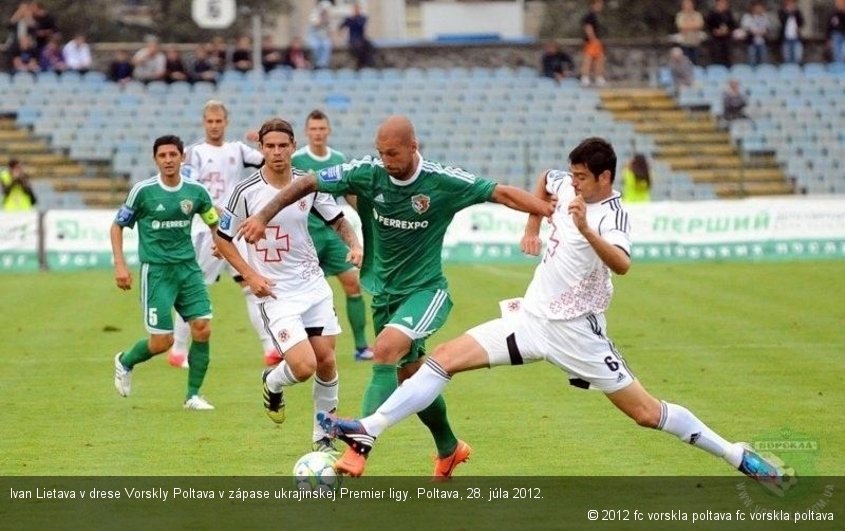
column 276, row 244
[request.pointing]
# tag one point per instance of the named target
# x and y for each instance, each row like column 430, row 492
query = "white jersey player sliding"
column 561, row 320
column 282, row 270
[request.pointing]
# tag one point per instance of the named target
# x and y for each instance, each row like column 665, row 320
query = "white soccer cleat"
column 198, row 403
column 122, row 377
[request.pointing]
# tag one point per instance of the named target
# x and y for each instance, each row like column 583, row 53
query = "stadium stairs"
column 690, row 141
column 56, row 177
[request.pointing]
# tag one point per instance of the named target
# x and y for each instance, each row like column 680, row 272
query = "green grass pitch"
column 752, row 349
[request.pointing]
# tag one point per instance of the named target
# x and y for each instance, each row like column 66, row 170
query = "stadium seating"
column 508, row 123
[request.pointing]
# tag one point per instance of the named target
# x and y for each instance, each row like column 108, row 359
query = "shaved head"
column 396, row 143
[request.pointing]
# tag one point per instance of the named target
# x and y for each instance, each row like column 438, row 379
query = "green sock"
column 197, row 366
column 356, row 310
column 435, row 419
column 139, row 353
column 383, row 382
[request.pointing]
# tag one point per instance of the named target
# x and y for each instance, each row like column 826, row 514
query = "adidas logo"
column 409, row 320
column 160, row 208
column 379, row 198
column 620, row 377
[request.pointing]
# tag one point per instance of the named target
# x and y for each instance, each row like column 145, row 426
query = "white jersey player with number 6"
column 218, row 165
column 283, row 272
column 561, row 320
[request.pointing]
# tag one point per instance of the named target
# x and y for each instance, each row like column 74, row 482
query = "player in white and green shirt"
column 163, row 207
column 405, row 204
column 331, row 251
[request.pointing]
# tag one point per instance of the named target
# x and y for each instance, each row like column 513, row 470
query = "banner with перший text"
column 19, row 241
column 79, row 239
column 750, row 229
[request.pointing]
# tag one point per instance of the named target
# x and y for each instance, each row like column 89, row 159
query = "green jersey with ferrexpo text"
column 164, row 215
column 404, row 222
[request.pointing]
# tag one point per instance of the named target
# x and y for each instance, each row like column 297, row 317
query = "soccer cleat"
column 177, row 359
column 274, row 403
column 325, row 445
column 122, row 377
column 272, row 358
column 444, row 466
column 769, row 474
column 198, row 403
column 351, row 463
column 363, row 354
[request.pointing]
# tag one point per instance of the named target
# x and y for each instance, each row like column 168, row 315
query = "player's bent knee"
column 160, row 343
column 303, row 367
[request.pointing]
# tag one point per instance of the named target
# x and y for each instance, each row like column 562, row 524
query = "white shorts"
column 291, row 320
column 579, row 346
column 210, row 265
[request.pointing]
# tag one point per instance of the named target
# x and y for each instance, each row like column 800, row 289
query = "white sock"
column 325, row 399
column 414, row 395
column 181, row 334
column 280, row 376
column 254, row 314
column 679, row 421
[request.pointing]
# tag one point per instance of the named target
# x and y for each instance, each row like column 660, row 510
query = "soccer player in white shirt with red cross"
column 283, row 272
column 561, row 320
column 218, row 165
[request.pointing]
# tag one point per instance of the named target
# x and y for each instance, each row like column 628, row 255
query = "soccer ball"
column 314, row 471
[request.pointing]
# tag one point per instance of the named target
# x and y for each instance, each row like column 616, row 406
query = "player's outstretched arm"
column 253, row 227
column 530, row 243
column 259, row 285
column 347, row 234
column 519, row 199
column 122, row 276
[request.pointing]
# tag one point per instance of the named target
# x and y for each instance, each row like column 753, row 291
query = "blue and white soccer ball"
column 315, row 471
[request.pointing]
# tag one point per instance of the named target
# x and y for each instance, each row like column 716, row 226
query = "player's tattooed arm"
column 347, row 234
column 252, row 229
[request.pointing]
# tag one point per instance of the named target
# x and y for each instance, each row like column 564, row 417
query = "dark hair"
column 316, row 114
column 275, row 125
column 639, row 167
column 597, row 154
column 168, row 140
column 13, row 163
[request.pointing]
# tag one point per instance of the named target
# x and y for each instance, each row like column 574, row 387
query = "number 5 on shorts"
column 152, row 316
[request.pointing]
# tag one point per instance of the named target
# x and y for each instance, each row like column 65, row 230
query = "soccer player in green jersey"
column 331, row 251
column 406, row 203
column 163, row 207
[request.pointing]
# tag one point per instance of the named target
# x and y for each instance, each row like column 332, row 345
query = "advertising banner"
column 79, row 239
column 19, row 241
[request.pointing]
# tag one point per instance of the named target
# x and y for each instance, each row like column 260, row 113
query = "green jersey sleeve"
column 353, row 177
column 206, row 210
column 466, row 188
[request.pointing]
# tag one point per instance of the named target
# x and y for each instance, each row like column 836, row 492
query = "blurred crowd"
column 35, row 44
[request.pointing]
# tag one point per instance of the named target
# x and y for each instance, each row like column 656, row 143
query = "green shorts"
column 331, row 251
column 165, row 287
column 417, row 315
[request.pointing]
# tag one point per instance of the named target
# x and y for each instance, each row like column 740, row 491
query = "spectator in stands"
column 755, row 24
column 242, row 56
column 174, row 67
column 149, row 62
column 296, row 56
column 45, row 25
column 22, row 22
column 791, row 21
column 271, row 56
column 359, row 45
column 24, row 56
column 202, row 68
column 594, row 57
column 636, row 177
column 836, row 32
column 721, row 24
column 734, row 102
column 218, row 53
column 77, row 54
column 681, row 69
column 320, row 33
column 555, row 63
column 50, row 58
column 17, row 192
column 690, row 25
column 120, row 68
